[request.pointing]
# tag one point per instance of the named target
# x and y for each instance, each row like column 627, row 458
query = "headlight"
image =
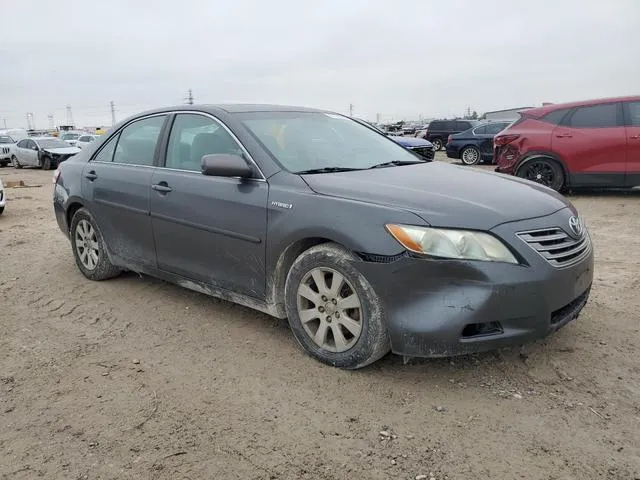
column 464, row 244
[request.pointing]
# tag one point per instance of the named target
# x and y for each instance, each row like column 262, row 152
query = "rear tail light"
column 504, row 140
column 449, row 139
column 56, row 175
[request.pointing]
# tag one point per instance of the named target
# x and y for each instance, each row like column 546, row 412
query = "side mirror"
column 225, row 165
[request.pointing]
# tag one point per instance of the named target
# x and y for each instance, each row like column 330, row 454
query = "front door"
column 632, row 117
column 209, row 229
column 592, row 142
column 30, row 154
column 117, row 183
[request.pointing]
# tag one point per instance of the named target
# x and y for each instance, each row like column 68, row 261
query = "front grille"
column 425, row 152
column 571, row 310
column 556, row 246
column 5, row 149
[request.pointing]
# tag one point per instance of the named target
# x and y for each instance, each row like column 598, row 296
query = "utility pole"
column 377, row 118
column 189, row 98
column 31, row 124
column 51, row 122
column 5, row 122
column 69, row 116
column 113, row 113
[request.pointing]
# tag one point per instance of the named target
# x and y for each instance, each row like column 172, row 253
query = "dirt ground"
column 137, row 378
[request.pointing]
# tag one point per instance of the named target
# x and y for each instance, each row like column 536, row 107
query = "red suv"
column 581, row 144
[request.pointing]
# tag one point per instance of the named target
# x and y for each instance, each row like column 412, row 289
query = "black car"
column 476, row 144
column 439, row 130
column 308, row 215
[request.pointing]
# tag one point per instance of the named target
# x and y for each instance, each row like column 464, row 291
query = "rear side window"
column 596, row 116
column 481, row 130
column 555, row 117
column 106, row 153
column 138, row 141
column 462, row 126
column 437, row 126
column 633, row 109
column 494, row 128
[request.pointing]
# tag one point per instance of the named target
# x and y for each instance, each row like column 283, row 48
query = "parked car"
column 42, row 152
column 476, row 144
column 311, row 216
column 439, row 130
column 3, row 197
column 419, row 146
column 6, row 146
column 581, row 144
column 84, row 140
column 70, row 137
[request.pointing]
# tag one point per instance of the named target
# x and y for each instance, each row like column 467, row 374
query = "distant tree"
column 474, row 115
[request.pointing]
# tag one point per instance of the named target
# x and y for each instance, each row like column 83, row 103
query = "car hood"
column 444, row 195
column 411, row 141
column 63, row 150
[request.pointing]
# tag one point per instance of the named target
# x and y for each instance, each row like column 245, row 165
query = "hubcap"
column 470, row 156
column 87, row 245
column 329, row 309
column 540, row 172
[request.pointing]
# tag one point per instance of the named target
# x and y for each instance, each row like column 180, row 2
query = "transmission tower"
column 69, row 116
column 189, row 98
column 113, row 113
column 51, row 122
column 351, row 109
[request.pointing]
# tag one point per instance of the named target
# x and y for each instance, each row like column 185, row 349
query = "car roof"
column 540, row 111
column 231, row 108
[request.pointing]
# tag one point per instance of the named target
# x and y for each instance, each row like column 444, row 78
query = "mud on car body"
column 309, row 215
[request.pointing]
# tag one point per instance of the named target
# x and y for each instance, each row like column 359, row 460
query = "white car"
column 6, row 147
column 70, row 137
column 85, row 140
column 3, row 198
column 42, row 152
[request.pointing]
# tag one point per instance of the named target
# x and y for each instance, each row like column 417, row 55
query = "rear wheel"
column 333, row 311
column 544, row 171
column 470, row 156
column 15, row 162
column 437, row 144
column 89, row 248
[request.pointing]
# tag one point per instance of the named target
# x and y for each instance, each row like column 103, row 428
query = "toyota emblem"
column 575, row 224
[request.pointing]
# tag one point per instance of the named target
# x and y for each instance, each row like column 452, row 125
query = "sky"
column 398, row 60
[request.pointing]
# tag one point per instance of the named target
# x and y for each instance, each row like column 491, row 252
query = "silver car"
column 42, row 152
column 6, row 146
column 85, row 140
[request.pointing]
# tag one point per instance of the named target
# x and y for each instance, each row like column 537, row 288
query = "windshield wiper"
column 328, row 170
column 397, row 163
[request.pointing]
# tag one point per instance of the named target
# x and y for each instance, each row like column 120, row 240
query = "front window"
column 52, row 143
column 301, row 141
column 5, row 139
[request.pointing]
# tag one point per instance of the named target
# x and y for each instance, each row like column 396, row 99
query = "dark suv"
column 439, row 130
column 582, row 144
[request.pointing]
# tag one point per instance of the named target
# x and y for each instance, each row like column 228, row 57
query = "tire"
column 350, row 336
column 46, row 164
column 96, row 264
column 470, row 156
column 437, row 144
column 15, row 162
column 543, row 170
column 1, row 210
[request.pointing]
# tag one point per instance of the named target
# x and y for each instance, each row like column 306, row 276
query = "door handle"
column 91, row 176
column 162, row 187
column 564, row 135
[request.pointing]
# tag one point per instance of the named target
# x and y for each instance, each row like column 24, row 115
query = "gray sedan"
column 308, row 215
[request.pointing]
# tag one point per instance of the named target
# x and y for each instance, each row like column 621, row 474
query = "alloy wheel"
column 87, row 245
column 540, row 172
column 470, row 156
column 329, row 309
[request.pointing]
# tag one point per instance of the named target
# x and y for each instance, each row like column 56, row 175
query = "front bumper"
column 439, row 308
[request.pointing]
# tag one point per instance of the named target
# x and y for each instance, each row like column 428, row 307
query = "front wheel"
column 544, row 171
column 333, row 311
column 15, row 162
column 437, row 144
column 470, row 156
column 89, row 248
column 1, row 210
column 46, row 163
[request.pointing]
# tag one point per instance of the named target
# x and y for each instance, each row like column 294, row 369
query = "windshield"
column 6, row 139
column 70, row 136
column 52, row 143
column 301, row 141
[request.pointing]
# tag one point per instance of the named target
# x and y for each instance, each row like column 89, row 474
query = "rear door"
column 632, row 129
column 117, row 183
column 592, row 142
column 209, row 229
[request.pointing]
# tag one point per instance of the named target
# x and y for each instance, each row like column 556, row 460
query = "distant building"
column 508, row 114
